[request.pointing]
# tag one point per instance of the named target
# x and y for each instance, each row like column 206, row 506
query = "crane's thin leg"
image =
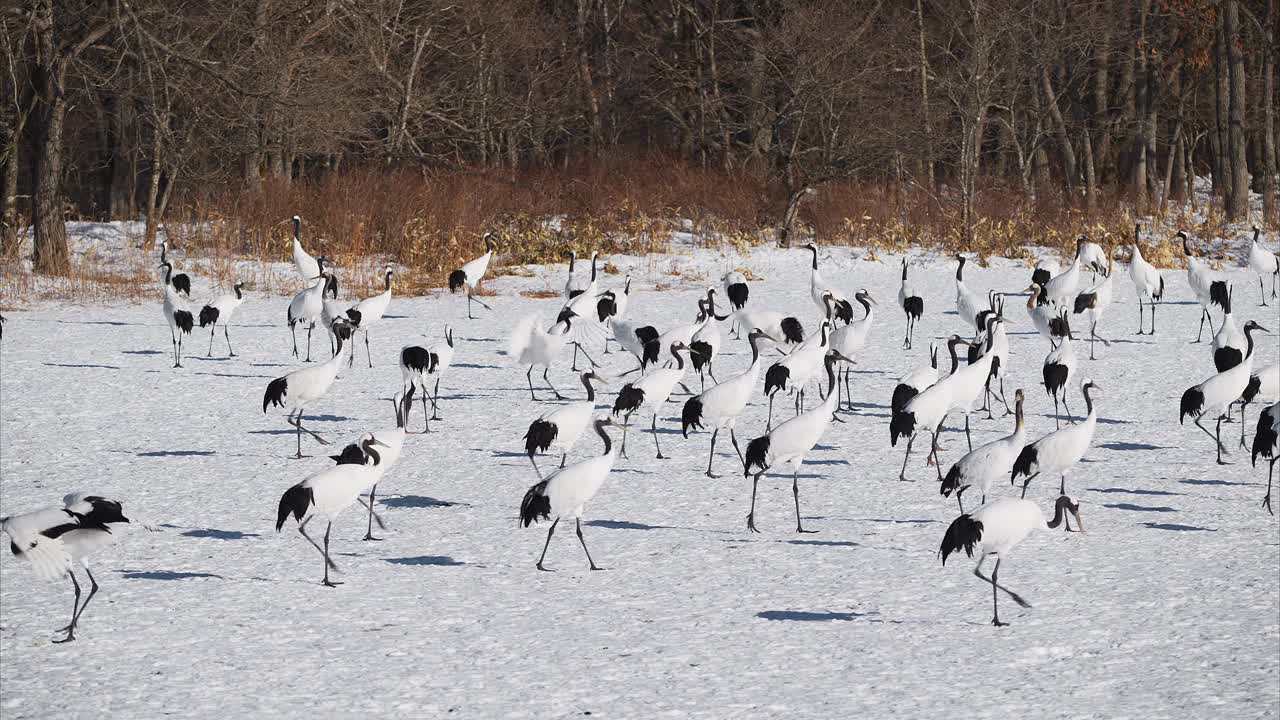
column 174, row 339
column 302, row 528
column 367, row 354
column 547, row 544
column 212, row 328
column 535, row 466
column 435, row 397
column 545, row 370
column 655, row 435
column 959, row 501
column 937, row 461
column 75, row 606
column 309, row 329
column 1071, row 418
column 1141, row 317
column 293, row 330
column 1026, row 483
column 712, row 454
column 967, row 436
column 848, row 392
column 751, row 516
column 1217, row 437
column 1057, row 418
column 527, row 376
column 481, row 302
column 902, row 475
column 711, row 373
column 574, row 367
column 578, row 346
column 795, row 492
column 1243, row 407
column 626, row 425
column 768, row 425
column 1262, row 290
column 426, row 419
column 1266, row 501
column 227, row 335
column 1153, row 317
column 298, row 423
column 734, row 439
column 584, row 546
column 368, row 533
column 376, row 517
column 1013, row 595
column 469, row 315
column 93, row 590
column 563, row 457
column 297, row 426
column 326, row 582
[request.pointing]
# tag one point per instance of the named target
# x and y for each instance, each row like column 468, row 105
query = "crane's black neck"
column 373, row 455
column 1088, row 400
column 1186, row 246
column 626, row 289
column 448, row 336
column 675, row 352
column 388, row 288
column 402, row 410
column 960, row 270
column 955, row 359
column 753, row 339
column 297, row 228
column 830, row 363
column 1248, row 336
column 591, row 391
column 236, row 287
column 604, row 436
column 904, row 271
column 1059, row 511
column 488, row 245
column 593, row 268
column 933, row 357
column 824, row 328
column 573, row 259
column 814, row 248
column 168, row 269
column 866, row 304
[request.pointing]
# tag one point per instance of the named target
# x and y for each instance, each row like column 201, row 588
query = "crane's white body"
column 1006, row 522
column 474, row 270
column 1057, row 452
column 51, row 558
column 534, row 346
column 986, row 464
column 968, row 304
column 1093, row 257
column 1147, row 281
column 1061, row 288
column 306, row 306
column 303, row 263
column 1040, row 315
column 1265, row 263
column 767, row 320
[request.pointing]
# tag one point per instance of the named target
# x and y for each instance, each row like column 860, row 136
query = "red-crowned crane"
column 560, row 428
column 995, row 529
column 1213, row 396
column 302, row 387
column 1147, row 282
column 1210, row 288
column 912, row 304
column 1060, row 450
column 366, row 313
column 470, row 274
column 982, row 466
column 721, row 405
column 220, row 311
column 1265, row 444
column 177, row 314
column 565, row 493
column 533, row 346
column 1264, row 262
column 651, row 391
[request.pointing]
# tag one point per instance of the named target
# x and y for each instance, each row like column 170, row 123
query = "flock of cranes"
column 814, row 356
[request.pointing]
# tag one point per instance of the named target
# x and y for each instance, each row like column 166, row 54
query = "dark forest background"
column 385, row 122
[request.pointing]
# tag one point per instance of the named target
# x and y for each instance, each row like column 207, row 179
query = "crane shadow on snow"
column 1133, row 491
column 166, row 575
column 232, row 375
column 415, row 501
column 219, row 534
column 139, row 352
column 809, row 615
column 1176, row 527
column 175, row 453
column 1133, row 446
column 1197, row 481
column 825, row 462
column 439, row 560
column 98, row 322
column 625, row 525
column 1139, row 508
column 824, row 543
column 477, row 366
column 82, row 365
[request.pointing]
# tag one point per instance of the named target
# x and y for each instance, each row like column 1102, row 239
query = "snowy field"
column 1168, row 606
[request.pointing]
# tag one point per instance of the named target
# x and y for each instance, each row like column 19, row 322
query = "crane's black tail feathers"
column 844, row 311
column 792, row 330
column 691, row 415
column 1027, row 459
column 914, row 306
column 700, row 354
column 902, row 395
column 1159, row 294
column 775, row 378
column 964, row 533
column 606, row 308
column 540, row 436
column 416, row 359
column 1055, row 377
column 629, row 399
column 208, row 315
column 902, row 424
column 1040, row 276
column 184, row 321
column 276, row 391
column 1264, row 439
column 182, row 283
column 1218, row 294
column 1192, row 404
column 757, row 455
column 457, row 279
column 951, row 482
column 296, row 501
column 536, row 505
column 738, row 293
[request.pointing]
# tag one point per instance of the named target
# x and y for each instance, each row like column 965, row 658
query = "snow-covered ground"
column 1168, row 606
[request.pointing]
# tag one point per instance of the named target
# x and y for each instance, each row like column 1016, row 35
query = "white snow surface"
column 1168, row 606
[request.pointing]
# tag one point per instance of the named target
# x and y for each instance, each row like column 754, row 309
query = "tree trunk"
column 153, row 192
column 1060, row 132
column 1221, row 170
column 1090, row 173
column 9, row 241
column 1268, row 113
column 120, row 180
column 1142, row 97
column 924, row 98
column 592, row 102
column 1237, row 205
